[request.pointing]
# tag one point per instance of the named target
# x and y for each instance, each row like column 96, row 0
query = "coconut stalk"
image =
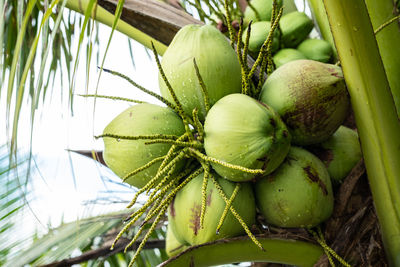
column 319, row 16
column 375, row 112
column 241, row 249
column 388, row 39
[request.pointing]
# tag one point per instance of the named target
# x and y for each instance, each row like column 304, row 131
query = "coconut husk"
column 352, row 231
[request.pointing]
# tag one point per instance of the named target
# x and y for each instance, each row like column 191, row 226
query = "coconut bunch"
column 227, row 143
column 291, row 40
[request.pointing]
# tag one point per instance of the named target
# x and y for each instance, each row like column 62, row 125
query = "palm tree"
column 375, row 112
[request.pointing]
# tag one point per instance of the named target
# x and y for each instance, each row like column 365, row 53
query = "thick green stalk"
column 388, row 40
column 319, row 15
column 375, row 112
column 242, row 249
column 107, row 18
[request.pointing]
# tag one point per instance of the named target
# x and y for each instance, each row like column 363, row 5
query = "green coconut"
column 316, row 49
column 286, row 55
column 258, row 35
column 242, row 131
column 217, row 61
column 298, row 193
column 310, row 97
column 124, row 156
column 295, row 27
column 263, row 8
column 185, row 210
column 340, row 153
column 172, row 245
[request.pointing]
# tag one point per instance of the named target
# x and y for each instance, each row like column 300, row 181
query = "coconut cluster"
column 224, row 147
column 291, row 42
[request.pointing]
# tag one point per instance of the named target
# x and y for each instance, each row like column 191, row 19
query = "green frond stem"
column 198, row 126
column 139, row 137
column 375, row 113
column 115, row 98
column 171, row 152
column 234, row 212
column 199, row 9
column 229, row 23
column 206, row 168
column 179, row 107
column 193, row 144
column 263, row 50
column 146, row 237
column 387, row 23
column 227, row 207
column 141, row 88
column 201, row 156
column 202, row 86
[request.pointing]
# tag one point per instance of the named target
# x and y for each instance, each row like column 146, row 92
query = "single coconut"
column 286, row 55
column 295, row 27
column 310, row 97
column 185, row 211
column 258, row 34
column 298, row 193
column 243, row 131
column 217, row 62
column 263, row 8
column 124, row 156
column 340, row 153
column 316, row 49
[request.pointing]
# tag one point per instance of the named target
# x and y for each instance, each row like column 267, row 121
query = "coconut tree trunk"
column 375, row 112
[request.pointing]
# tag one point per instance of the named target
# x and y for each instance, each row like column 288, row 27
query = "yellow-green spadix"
column 218, row 66
column 124, row 156
column 242, row 131
column 184, row 213
column 311, row 98
column 298, row 193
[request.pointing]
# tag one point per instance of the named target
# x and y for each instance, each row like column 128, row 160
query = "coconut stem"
column 115, row 98
column 227, row 207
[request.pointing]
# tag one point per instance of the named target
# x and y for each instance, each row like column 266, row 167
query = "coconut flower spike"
column 235, row 214
column 162, row 99
column 202, row 86
column 206, row 167
column 115, row 98
column 227, row 207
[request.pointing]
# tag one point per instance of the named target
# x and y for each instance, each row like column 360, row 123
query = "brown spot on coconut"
column 291, row 200
column 187, row 206
column 310, row 97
